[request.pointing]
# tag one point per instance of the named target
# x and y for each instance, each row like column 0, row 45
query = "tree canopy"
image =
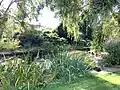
column 68, row 10
column 71, row 12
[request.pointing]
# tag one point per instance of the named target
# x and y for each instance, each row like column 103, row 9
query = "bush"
column 85, row 57
column 6, row 35
column 30, row 38
column 9, row 44
column 68, row 68
column 113, row 49
column 22, row 75
column 26, row 74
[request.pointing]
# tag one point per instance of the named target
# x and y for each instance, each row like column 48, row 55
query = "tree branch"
column 82, row 7
column 9, row 6
column 1, row 2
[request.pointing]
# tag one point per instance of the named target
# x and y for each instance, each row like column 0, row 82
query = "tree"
column 69, row 11
column 26, row 9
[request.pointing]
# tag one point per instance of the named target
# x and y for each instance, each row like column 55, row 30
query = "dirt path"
column 112, row 69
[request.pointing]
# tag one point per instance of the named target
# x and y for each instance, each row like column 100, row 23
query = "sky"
column 46, row 19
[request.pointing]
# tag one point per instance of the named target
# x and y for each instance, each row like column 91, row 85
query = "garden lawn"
column 99, row 81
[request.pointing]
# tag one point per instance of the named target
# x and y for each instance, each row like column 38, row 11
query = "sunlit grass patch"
column 113, row 78
column 101, row 81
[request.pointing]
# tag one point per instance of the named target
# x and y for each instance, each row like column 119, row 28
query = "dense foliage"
column 91, row 24
column 26, row 74
column 69, row 68
column 113, row 49
column 21, row 74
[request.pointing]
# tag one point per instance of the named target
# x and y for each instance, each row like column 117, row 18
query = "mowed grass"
column 99, row 81
column 113, row 78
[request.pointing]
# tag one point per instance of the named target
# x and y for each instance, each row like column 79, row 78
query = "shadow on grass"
column 86, row 83
column 117, row 73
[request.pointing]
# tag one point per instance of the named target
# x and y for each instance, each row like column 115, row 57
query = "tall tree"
column 68, row 10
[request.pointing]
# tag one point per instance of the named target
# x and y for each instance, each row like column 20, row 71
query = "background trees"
column 96, row 22
column 88, row 16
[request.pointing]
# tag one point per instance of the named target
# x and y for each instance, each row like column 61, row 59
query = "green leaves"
column 101, row 6
column 68, row 68
column 113, row 49
column 18, row 73
column 68, row 11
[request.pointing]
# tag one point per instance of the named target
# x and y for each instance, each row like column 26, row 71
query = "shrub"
column 68, row 68
column 26, row 76
column 85, row 57
column 30, row 38
column 113, row 49
column 9, row 44
column 6, row 35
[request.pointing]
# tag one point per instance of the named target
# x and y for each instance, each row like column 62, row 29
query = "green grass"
column 101, row 81
column 113, row 78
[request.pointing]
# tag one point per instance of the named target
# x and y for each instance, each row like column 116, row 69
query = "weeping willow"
column 111, row 28
column 69, row 13
column 102, row 10
column 27, row 9
column 103, row 7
